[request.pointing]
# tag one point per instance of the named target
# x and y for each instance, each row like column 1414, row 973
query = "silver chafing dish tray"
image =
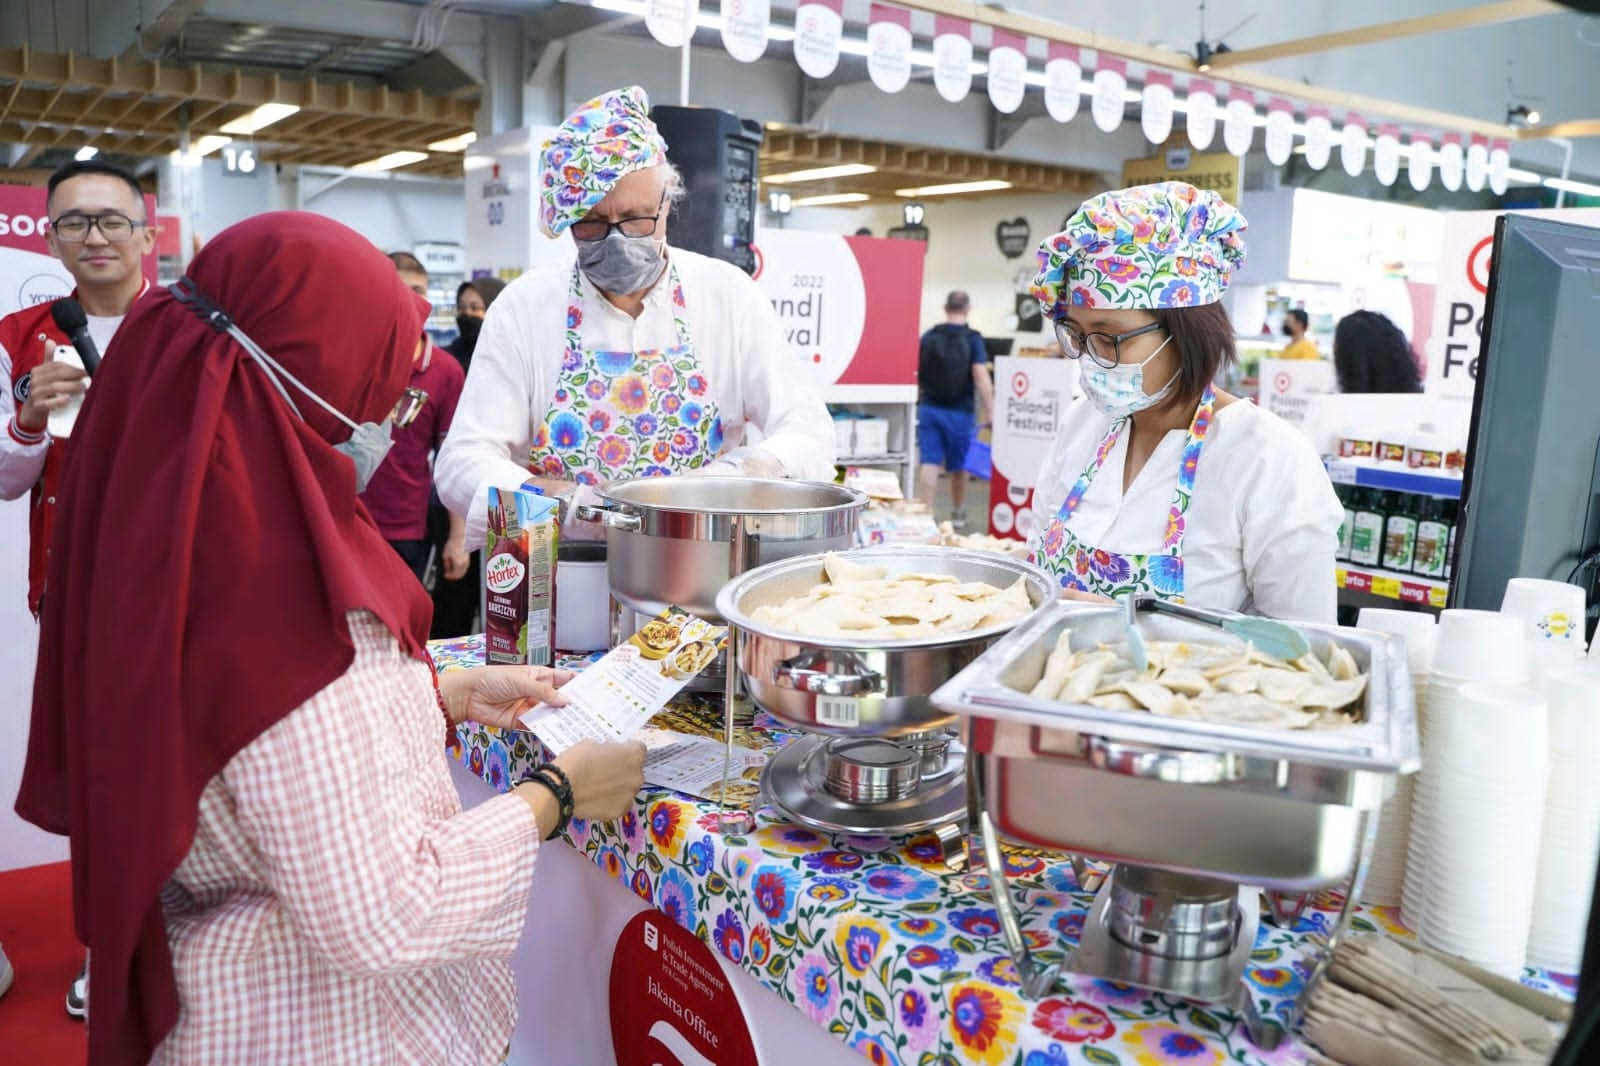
column 1283, row 809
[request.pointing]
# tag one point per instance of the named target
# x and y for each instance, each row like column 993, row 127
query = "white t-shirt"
column 752, row 372
column 1262, row 527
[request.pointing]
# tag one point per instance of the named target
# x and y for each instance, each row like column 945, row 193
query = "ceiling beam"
column 1442, row 22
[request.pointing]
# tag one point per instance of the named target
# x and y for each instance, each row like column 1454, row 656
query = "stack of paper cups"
column 1488, row 762
column 1472, row 647
column 1386, row 877
column 1570, row 848
column 1552, row 613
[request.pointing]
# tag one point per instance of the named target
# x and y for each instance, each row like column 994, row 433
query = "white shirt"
column 754, row 375
column 1262, row 527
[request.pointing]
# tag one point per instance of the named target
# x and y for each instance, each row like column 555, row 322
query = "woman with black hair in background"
column 1370, row 354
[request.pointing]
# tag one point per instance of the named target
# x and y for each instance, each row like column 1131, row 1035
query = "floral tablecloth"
column 874, row 941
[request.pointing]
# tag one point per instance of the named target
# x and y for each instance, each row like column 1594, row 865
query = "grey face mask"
column 367, row 447
column 622, row 265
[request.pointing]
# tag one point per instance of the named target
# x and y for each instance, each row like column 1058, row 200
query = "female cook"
column 234, row 718
column 640, row 360
column 1159, row 482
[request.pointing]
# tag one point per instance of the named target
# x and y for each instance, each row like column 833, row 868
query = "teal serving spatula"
column 1267, row 636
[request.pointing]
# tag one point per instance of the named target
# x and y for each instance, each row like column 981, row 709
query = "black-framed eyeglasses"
column 1103, row 349
column 409, row 407
column 589, row 230
column 114, row 226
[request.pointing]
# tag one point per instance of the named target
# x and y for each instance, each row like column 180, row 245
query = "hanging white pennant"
column 671, row 22
column 1499, row 167
column 1279, row 131
column 1008, row 71
column 1155, row 109
column 1062, row 73
column 1200, row 118
column 1239, row 122
column 1419, row 161
column 1386, row 154
column 1452, row 161
column 1110, row 82
column 952, row 58
column 1477, row 162
column 1319, row 137
column 1353, row 145
column 744, row 28
column 818, row 31
column 889, row 47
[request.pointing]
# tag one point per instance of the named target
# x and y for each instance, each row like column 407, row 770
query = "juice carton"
column 519, row 578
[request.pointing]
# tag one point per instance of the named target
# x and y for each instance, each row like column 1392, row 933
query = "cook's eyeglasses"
column 114, row 226
column 409, row 407
column 1103, row 349
column 590, row 230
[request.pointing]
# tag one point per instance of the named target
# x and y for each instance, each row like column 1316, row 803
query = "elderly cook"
column 1158, row 481
column 640, row 360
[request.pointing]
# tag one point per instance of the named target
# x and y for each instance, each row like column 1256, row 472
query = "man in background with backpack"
column 953, row 389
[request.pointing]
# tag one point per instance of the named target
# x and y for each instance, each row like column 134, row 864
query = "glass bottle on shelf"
column 1347, row 527
column 1433, row 540
column 1451, row 517
column 1366, row 534
column 1399, row 532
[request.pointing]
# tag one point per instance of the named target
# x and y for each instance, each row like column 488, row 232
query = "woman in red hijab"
column 234, row 717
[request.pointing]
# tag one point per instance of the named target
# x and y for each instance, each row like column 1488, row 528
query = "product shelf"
column 1386, row 584
column 1388, row 478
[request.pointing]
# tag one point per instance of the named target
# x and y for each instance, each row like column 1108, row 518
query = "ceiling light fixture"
column 1522, row 115
column 211, row 142
column 86, row 153
column 390, row 161
column 955, row 189
column 843, row 170
column 831, row 200
column 260, row 118
column 454, row 144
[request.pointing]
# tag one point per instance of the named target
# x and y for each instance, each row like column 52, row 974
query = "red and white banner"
column 1319, row 137
column 849, row 305
column 745, row 26
column 1239, row 121
column 1499, row 166
column 1030, row 398
column 671, row 22
column 1008, row 71
column 1386, row 154
column 1279, row 134
column 952, row 57
column 1353, row 145
column 670, row 1001
column 1110, row 83
column 1155, row 110
column 1419, row 160
column 1477, row 162
column 1063, row 73
column 1452, row 161
column 889, row 47
column 1200, row 118
column 29, row 274
column 818, row 31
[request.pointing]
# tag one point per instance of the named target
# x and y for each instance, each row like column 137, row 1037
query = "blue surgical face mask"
column 1118, row 391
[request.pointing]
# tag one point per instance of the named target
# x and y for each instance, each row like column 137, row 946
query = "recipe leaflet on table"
column 614, row 698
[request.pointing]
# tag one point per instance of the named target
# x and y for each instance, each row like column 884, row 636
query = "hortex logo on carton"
column 519, row 580
column 505, row 573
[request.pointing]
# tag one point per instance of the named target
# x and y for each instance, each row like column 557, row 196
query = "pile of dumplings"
column 1212, row 683
column 982, row 542
column 863, row 601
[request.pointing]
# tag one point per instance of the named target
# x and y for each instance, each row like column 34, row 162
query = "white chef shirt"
column 754, row 375
column 1262, row 527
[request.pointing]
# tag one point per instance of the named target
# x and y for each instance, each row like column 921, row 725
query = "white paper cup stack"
column 1552, row 613
column 1473, row 647
column 1570, row 847
column 1489, row 768
column 1386, row 877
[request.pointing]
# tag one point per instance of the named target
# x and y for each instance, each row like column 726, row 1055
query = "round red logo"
column 1019, row 383
column 671, row 1002
column 1478, row 263
column 761, row 262
column 1282, row 381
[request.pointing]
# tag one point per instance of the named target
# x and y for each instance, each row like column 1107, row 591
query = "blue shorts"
column 944, row 435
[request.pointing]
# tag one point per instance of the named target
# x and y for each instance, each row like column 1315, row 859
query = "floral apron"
column 621, row 415
column 1085, row 568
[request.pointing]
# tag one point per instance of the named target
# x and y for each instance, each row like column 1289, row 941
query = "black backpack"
column 944, row 367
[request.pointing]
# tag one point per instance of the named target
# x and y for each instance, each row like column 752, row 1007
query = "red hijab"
column 208, row 547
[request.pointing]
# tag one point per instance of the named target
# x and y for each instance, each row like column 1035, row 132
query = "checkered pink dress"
column 337, row 905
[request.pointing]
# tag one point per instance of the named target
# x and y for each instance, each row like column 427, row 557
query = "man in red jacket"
column 99, row 231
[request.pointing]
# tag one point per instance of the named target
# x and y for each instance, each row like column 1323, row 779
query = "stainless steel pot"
column 675, row 541
column 854, row 686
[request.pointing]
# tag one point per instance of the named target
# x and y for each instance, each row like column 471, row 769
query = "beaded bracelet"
column 552, row 777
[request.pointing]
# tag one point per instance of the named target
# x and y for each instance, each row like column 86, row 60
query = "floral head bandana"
column 1140, row 249
column 599, row 143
